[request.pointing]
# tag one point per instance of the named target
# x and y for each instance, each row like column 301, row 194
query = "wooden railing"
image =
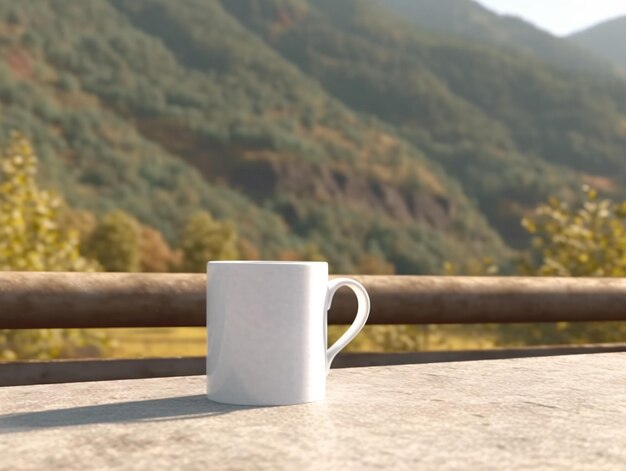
column 96, row 300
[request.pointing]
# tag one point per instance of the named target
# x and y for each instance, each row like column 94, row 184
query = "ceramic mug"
column 266, row 326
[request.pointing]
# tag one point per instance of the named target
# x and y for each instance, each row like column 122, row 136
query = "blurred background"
column 441, row 137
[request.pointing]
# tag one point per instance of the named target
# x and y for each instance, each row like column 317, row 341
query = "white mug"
column 266, row 326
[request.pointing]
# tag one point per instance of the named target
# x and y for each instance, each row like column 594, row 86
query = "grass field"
column 157, row 342
column 191, row 341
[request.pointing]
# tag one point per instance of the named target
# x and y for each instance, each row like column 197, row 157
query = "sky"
column 560, row 17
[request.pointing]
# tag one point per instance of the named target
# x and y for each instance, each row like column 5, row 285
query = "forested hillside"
column 332, row 123
column 467, row 18
column 608, row 39
column 511, row 129
column 163, row 108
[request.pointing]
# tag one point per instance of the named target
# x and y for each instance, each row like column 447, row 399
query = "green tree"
column 33, row 236
column 472, row 267
column 205, row 239
column 312, row 253
column 116, row 242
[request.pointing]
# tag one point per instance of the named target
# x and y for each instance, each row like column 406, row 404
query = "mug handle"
column 361, row 315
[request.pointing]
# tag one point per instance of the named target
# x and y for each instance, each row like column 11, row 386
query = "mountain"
column 163, row 108
column 336, row 123
column 606, row 40
column 511, row 129
column 468, row 18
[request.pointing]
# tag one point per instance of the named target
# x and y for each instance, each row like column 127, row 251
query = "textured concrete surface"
column 532, row 413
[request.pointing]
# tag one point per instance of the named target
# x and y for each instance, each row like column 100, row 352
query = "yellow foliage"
column 155, row 254
column 585, row 240
column 34, row 237
column 31, row 235
column 371, row 264
column 588, row 240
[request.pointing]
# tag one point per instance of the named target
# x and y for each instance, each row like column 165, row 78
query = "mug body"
column 266, row 332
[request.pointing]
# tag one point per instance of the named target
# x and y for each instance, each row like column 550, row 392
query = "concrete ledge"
column 552, row 413
column 70, row 371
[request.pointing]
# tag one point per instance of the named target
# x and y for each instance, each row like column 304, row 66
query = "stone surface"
column 532, row 413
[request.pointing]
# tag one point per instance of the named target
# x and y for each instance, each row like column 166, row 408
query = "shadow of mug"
column 150, row 410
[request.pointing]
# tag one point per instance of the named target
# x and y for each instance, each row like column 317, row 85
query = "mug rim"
column 264, row 262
